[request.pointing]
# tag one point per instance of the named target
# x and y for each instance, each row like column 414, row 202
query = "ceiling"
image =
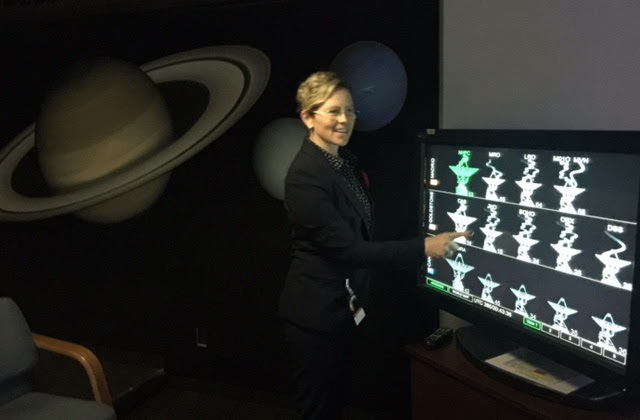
column 25, row 11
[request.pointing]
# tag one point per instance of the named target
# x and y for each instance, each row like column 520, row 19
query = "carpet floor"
column 187, row 398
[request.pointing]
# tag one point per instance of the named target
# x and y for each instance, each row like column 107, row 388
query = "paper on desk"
column 540, row 370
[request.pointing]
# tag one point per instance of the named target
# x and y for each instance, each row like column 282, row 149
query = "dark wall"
column 213, row 251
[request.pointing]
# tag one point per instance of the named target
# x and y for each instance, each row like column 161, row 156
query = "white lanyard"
column 352, row 295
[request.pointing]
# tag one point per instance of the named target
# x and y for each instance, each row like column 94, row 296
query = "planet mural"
column 277, row 145
column 104, row 136
column 377, row 80
column 103, row 116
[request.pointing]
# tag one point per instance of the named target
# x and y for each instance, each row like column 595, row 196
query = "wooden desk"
column 445, row 385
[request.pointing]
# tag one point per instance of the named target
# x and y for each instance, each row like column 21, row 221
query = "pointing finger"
column 466, row 234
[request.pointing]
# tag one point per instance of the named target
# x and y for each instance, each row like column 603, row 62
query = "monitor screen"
column 555, row 222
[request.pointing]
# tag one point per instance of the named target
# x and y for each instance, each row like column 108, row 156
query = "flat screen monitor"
column 552, row 262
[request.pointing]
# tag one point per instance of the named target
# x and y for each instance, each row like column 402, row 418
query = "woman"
column 326, row 293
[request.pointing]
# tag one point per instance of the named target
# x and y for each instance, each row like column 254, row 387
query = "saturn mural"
column 105, row 141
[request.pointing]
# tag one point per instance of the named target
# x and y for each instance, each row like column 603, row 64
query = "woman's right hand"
column 442, row 245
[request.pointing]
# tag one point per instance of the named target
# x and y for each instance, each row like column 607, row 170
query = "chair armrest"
column 85, row 358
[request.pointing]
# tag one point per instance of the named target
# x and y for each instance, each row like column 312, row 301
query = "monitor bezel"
column 627, row 142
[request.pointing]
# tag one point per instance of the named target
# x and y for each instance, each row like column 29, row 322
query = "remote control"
column 437, row 338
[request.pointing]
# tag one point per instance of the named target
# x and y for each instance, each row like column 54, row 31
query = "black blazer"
column 331, row 242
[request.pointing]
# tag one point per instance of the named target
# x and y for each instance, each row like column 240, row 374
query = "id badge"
column 358, row 316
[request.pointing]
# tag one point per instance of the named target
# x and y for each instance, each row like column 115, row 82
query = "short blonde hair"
column 316, row 89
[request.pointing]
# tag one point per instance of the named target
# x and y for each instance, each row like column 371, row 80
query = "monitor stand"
column 479, row 347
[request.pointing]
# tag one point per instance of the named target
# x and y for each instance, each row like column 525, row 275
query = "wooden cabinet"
column 445, row 385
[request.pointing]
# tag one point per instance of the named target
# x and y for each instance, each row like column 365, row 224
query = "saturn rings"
column 235, row 77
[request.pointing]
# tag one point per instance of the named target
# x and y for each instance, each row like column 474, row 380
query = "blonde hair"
column 316, row 89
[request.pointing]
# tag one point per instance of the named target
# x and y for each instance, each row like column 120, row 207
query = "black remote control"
column 437, row 338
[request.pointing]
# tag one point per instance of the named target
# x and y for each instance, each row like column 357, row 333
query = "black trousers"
column 322, row 370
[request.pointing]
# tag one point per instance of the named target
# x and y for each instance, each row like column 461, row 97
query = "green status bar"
column 532, row 323
column 437, row 285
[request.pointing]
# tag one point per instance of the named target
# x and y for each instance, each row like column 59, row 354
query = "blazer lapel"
column 343, row 185
column 355, row 201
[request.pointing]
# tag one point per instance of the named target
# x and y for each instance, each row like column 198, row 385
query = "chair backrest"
column 18, row 352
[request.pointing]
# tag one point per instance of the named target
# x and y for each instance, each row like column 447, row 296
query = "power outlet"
column 201, row 338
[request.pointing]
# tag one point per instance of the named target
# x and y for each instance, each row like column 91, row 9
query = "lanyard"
column 352, row 295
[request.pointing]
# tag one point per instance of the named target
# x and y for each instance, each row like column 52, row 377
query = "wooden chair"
column 18, row 358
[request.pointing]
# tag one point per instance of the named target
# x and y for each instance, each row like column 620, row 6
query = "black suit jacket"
column 331, row 242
